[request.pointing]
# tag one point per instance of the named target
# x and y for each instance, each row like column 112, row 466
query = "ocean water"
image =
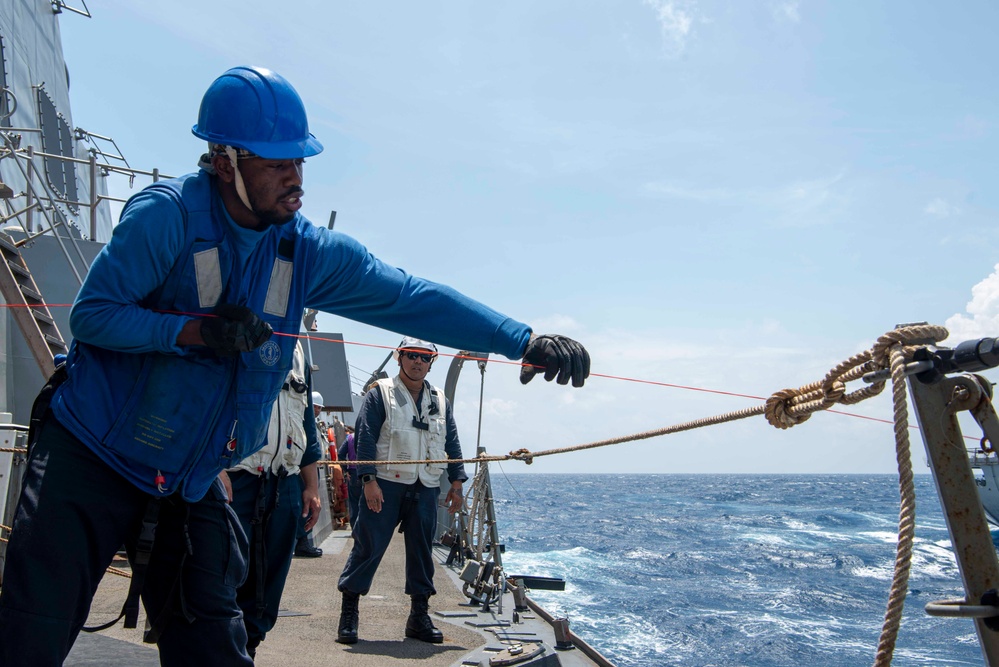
column 734, row 570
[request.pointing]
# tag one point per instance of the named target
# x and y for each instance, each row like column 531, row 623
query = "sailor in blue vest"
column 184, row 332
column 275, row 490
column 402, row 419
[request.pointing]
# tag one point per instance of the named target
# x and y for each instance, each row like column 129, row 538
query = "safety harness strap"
column 175, row 600
column 140, row 563
column 40, row 407
column 261, row 517
column 143, row 552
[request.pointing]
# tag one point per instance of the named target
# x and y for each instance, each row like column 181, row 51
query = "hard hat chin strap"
column 240, row 186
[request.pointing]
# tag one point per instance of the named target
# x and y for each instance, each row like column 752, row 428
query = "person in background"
column 273, row 491
column 172, row 330
column 402, row 418
column 304, row 548
column 348, row 452
column 339, row 431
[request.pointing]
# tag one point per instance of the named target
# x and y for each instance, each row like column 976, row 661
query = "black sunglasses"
column 413, row 356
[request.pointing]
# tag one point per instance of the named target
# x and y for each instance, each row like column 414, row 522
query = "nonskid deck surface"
column 306, row 635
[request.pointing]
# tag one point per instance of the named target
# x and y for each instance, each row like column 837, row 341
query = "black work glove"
column 556, row 354
column 234, row 329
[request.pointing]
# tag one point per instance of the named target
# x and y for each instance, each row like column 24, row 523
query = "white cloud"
column 795, row 199
column 803, row 196
column 691, row 192
column 675, row 23
column 499, row 407
column 563, row 324
column 786, row 11
column 941, row 208
column 982, row 317
column 973, row 127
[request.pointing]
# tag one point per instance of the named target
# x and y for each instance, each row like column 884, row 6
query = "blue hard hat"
column 257, row 110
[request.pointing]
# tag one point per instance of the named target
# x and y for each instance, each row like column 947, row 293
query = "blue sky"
column 729, row 195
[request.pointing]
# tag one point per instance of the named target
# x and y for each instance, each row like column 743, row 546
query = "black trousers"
column 74, row 513
column 282, row 518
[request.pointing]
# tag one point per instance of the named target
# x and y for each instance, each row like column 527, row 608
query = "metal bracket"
column 985, row 414
column 988, row 610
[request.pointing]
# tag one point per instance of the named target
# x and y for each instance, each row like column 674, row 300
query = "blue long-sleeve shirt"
column 151, row 251
column 343, row 279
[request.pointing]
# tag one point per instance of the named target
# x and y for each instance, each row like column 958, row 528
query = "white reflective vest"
column 400, row 440
column 286, row 439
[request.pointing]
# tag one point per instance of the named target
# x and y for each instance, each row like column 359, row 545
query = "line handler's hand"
column 555, row 355
column 234, row 329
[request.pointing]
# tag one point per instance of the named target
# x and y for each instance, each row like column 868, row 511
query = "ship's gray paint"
column 58, row 286
column 330, row 375
column 32, row 54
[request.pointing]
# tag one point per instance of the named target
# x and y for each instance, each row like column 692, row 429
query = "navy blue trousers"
column 354, row 495
column 73, row 515
column 414, row 507
column 283, row 511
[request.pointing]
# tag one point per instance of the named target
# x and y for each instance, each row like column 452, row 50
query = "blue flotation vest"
column 170, row 423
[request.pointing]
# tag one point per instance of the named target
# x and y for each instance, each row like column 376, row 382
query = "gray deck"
column 306, row 636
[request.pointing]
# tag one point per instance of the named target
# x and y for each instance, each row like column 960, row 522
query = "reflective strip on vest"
column 276, row 302
column 209, row 277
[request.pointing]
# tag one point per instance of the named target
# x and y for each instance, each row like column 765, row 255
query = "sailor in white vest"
column 402, row 418
column 271, row 490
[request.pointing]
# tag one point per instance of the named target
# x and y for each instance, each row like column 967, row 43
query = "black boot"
column 419, row 626
column 305, row 550
column 346, row 632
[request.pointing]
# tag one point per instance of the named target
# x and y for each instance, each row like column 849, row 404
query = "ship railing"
column 59, row 5
column 44, row 211
column 38, row 196
column 979, row 459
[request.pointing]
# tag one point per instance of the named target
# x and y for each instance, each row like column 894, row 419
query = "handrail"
column 52, row 226
column 59, row 5
column 46, row 194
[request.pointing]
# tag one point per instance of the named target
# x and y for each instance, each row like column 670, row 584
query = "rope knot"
column 834, row 392
column 778, row 409
column 523, row 455
column 908, row 335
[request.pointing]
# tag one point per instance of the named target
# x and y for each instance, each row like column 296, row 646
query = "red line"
column 517, row 363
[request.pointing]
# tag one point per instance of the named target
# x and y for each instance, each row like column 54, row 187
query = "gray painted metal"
column 28, row 308
column 444, row 518
column 55, row 283
column 330, row 375
column 936, row 409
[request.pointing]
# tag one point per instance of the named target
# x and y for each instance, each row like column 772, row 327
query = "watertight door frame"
column 936, row 408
